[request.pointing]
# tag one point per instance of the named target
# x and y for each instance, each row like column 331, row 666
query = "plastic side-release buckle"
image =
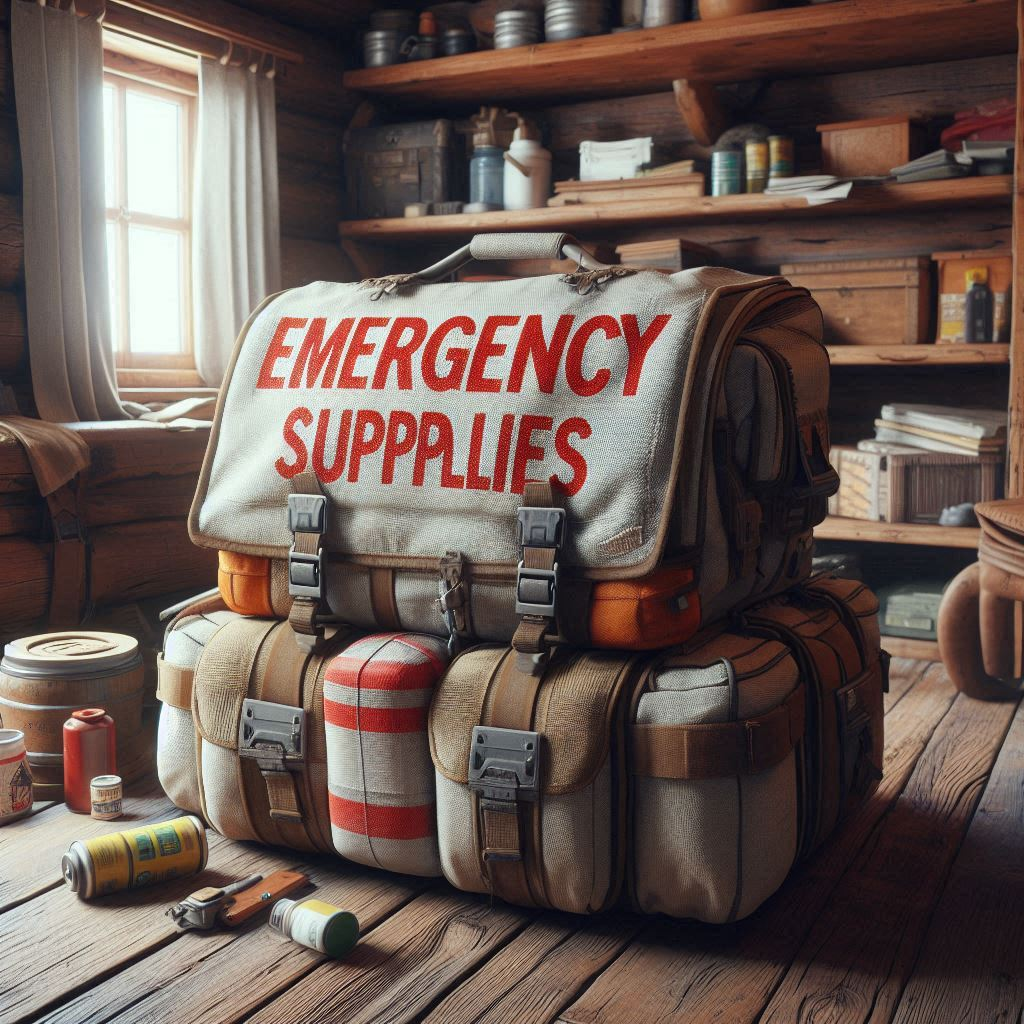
column 504, row 765
column 307, row 514
column 540, row 527
column 273, row 734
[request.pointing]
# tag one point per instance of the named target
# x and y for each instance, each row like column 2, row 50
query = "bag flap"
column 221, row 681
column 425, row 410
column 574, row 713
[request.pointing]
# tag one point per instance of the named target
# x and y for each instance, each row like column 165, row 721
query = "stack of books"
column 815, row 188
column 674, row 185
column 669, row 254
column 938, row 428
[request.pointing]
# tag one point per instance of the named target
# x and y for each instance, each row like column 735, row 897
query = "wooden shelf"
column 919, row 355
column 814, row 40
column 910, row 647
column 885, row 198
column 837, row 528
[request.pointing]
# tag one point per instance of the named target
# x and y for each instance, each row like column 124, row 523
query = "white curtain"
column 236, row 245
column 58, row 83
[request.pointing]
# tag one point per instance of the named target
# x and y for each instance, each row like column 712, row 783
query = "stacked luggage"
column 515, row 587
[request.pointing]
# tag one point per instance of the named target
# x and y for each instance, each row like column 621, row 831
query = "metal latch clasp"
column 537, row 588
column 273, row 734
column 504, row 764
column 307, row 514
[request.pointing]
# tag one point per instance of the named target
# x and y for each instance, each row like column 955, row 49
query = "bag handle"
column 519, row 245
column 526, row 245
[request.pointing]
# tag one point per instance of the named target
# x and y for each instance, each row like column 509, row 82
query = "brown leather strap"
column 720, row 749
column 382, row 599
column 174, row 684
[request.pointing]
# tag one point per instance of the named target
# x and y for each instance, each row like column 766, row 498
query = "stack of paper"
column 943, row 429
column 934, row 166
column 815, row 188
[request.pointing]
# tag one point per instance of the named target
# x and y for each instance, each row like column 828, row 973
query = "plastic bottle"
column 487, row 166
column 90, row 749
column 527, row 170
column 316, row 925
column 978, row 306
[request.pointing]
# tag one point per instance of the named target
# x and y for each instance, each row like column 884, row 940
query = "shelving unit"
column 919, row 355
column 753, row 230
column 867, row 199
column 792, row 42
column 921, row 534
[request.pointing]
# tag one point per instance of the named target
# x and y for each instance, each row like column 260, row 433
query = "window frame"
column 127, row 360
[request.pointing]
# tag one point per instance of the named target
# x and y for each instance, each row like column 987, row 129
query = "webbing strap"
column 305, row 579
column 174, row 684
column 536, row 581
column 382, row 599
column 283, row 676
column 509, row 830
column 720, row 749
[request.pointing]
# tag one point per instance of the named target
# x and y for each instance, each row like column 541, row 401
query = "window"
column 147, row 153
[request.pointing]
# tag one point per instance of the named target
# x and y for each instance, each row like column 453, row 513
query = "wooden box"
column 388, row 168
column 895, row 483
column 952, row 276
column 869, row 302
column 853, row 149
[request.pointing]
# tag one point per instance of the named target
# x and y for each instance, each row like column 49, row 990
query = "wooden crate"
column 952, row 276
column 869, row 302
column 899, row 484
column 874, row 146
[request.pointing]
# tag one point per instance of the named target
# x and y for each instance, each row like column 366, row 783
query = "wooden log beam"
column 13, row 333
column 12, row 242
column 700, row 109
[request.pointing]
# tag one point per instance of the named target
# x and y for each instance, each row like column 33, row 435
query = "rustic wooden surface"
column 910, row 914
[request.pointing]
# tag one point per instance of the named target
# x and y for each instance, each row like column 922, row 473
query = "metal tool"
column 236, row 903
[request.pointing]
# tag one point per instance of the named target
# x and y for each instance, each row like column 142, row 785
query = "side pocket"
column 244, row 583
column 860, row 720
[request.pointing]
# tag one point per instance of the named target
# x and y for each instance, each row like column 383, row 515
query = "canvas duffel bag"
column 684, row 783
column 323, row 751
column 614, row 456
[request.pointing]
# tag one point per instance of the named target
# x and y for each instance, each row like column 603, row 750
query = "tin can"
column 316, row 925
column 663, row 12
column 756, row 154
column 516, row 28
column 456, row 40
column 107, row 793
column 90, row 749
column 780, row 156
column 725, row 172
column 15, row 776
column 136, row 858
column 573, row 19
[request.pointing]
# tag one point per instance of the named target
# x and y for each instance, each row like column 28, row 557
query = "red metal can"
column 89, row 750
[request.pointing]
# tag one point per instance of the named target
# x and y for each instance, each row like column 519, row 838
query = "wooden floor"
column 914, row 912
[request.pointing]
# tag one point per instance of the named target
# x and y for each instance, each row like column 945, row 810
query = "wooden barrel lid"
column 73, row 653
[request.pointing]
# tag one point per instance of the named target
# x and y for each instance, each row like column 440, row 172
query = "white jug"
column 527, row 171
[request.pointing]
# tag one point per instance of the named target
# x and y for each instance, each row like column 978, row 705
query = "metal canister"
column 780, row 156
column 725, row 171
column 136, row 858
column 456, row 40
column 573, row 19
column 107, row 795
column 756, row 154
column 382, row 47
column 516, row 28
column 663, row 12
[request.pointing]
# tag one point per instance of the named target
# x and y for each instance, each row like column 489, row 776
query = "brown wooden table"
column 914, row 912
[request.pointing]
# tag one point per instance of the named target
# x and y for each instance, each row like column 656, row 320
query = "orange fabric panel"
column 657, row 611
column 244, row 582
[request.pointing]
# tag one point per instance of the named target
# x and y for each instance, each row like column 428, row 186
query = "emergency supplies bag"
column 610, row 456
column 318, row 752
column 684, row 783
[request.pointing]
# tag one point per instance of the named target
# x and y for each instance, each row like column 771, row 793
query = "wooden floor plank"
column 903, row 674
column 403, row 967
column 211, row 978
column 539, row 972
column 972, row 964
column 30, row 861
column 678, row 971
column 858, row 955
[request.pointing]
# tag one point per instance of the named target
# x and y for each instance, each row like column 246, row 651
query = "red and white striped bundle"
column 380, row 777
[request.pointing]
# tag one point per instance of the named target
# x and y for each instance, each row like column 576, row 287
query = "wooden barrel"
column 44, row 678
